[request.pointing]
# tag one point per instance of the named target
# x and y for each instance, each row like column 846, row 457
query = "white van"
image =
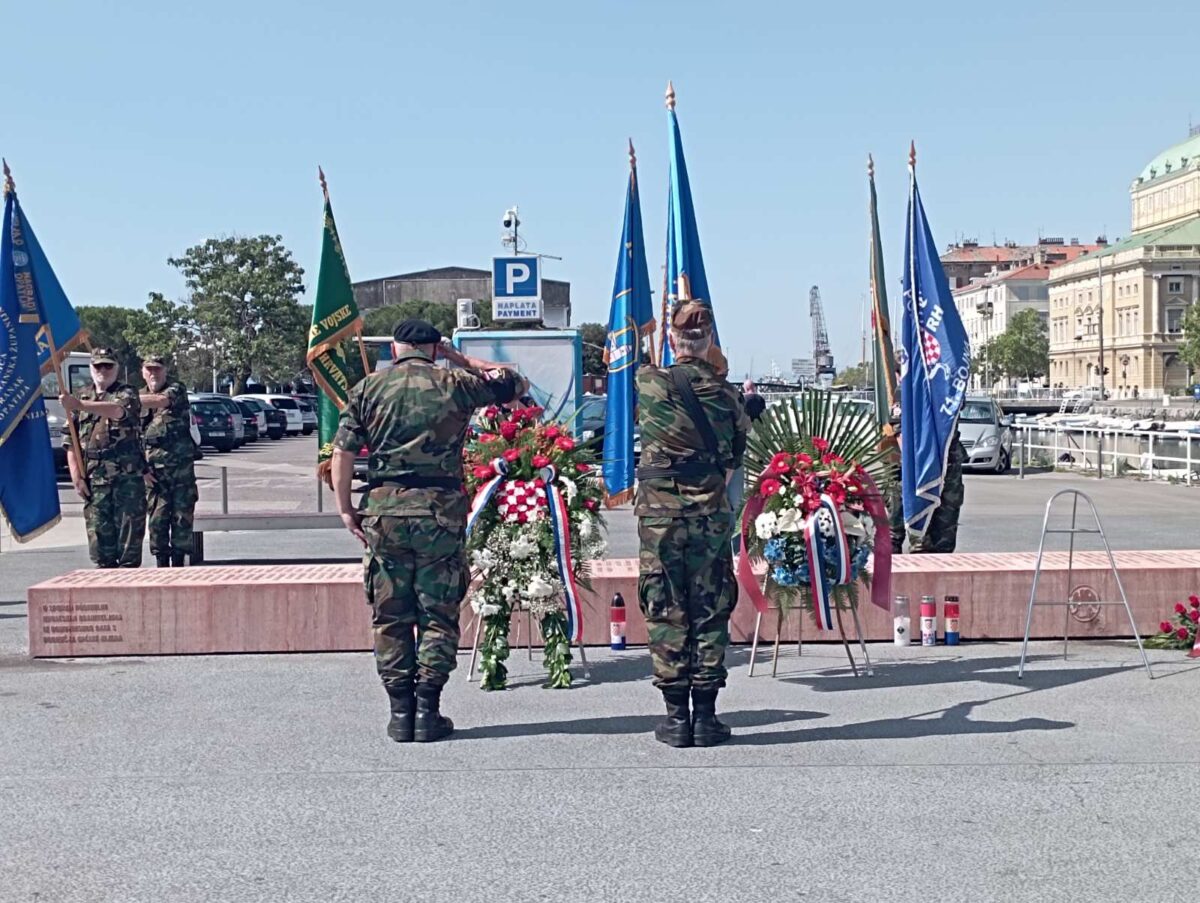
column 287, row 404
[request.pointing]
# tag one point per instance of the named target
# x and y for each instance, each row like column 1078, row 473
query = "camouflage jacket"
column 669, row 437
column 111, row 447
column 167, row 432
column 412, row 419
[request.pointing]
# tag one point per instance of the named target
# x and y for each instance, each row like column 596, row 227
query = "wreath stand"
column 779, row 618
column 478, row 621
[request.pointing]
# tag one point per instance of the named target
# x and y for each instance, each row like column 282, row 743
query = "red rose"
column 827, row 459
column 583, row 468
column 837, row 493
column 484, row 472
column 1195, row 601
column 552, row 432
column 591, row 504
column 487, row 437
column 540, row 461
column 508, row 430
column 781, row 463
column 1179, row 608
column 1182, row 633
column 769, row 488
column 491, row 411
column 566, row 443
column 512, row 455
column 1194, row 615
column 821, row 445
column 804, row 460
column 1164, row 626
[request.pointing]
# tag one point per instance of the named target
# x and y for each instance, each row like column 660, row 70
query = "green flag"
column 886, row 395
column 335, row 365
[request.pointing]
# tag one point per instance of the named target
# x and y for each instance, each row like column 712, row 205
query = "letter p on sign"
column 516, row 274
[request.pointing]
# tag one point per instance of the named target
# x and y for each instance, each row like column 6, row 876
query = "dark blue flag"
column 28, row 485
column 935, row 363
column 685, row 262
column 631, row 317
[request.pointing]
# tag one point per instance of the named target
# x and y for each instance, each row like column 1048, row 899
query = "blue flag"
column 28, row 485
column 935, row 363
column 685, row 262
column 631, row 317
column 60, row 330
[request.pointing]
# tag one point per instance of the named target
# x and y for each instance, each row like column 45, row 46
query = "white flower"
column 483, row 559
column 587, row 527
column 508, row 592
column 766, row 525
column 539, row 588
column 482, row 607
column 523, row 546
column 791, row 521
column 569, row 486
column 853, row 525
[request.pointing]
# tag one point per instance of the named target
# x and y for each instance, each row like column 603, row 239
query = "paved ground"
column 269, row 778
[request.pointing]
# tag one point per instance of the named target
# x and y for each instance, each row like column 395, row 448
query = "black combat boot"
column 676, row 730
column 430, row 724
column 706, row 729
column 177, row 559
column 163, row 561
column 400, row 728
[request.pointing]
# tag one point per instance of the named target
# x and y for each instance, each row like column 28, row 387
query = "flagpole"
column 10, row 187
column 362, row 348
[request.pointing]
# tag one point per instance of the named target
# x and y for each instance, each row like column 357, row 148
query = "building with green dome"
column 1116, row 314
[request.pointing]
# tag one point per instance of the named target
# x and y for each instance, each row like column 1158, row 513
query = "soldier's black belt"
column 414, row 481
column 684, row 470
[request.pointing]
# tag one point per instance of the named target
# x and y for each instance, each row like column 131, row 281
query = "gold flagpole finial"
column 9, row 184
column 912, row 155
column 632, row 156
column 870, row 167
column 324, row 185
column 670, row 95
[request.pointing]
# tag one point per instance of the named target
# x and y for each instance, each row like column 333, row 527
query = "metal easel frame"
column 1073, row 531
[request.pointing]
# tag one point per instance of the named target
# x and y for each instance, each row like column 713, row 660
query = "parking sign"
column 516, row 288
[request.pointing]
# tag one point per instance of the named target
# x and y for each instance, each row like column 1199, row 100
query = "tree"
column 107, row 325
column 243, row 308
column 595, row 336
column 1189, row 348
column 859, row 376
column 1022, row 350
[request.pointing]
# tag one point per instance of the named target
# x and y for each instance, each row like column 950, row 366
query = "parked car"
column 287, row 404
column 589, row 419
column 308, row 416
column 274, row 420
column 986, row 434
column 214, row 423
column 250, row 420
column 230, row 406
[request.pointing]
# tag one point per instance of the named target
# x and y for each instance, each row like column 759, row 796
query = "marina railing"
column 1108, row 451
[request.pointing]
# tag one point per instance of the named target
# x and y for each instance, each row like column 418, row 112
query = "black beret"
column 417, row 332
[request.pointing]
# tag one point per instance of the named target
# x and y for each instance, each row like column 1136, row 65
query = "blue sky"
column 137, row 129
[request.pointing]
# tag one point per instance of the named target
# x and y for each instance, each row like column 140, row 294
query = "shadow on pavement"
column 628, row 724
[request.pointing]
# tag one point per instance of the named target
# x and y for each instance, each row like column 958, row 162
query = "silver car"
column 986, row 434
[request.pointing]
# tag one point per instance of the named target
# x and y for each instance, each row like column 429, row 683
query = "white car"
column 287, row 404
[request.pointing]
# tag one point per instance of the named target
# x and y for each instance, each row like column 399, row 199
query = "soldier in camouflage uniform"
column 109, row 471
column 170, row 454
column 413, row 419
column 686, row 587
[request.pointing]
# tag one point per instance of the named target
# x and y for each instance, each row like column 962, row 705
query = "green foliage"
column 108, row 326
column 1022, row 350
column 1189, row 348
column 557, row 652
column 860, row 376
column 243, row 308
column 383, row 320
column 595, row 336
column 850, row 429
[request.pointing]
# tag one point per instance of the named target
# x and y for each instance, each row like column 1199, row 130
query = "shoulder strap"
column 696, row 410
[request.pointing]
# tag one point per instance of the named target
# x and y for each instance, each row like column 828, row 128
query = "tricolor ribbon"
column 483, row 495
column 560, row 527
column 881, row 570
column 815, row 543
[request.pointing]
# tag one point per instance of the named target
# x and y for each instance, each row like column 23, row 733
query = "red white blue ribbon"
column 814, row 544
column 483, row 495
column 560, row 527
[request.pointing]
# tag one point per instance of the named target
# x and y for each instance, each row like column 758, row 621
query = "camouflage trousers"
column 415, row 574
column 115, row 514
column 170, row 506
column 942, row 535
column 687, row 592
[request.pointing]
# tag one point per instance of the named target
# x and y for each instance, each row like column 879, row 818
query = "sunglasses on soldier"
column 103, row 365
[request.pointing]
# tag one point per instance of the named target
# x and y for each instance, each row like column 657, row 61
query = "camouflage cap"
column 692, row 315
column 104, row 355
column 155, row 360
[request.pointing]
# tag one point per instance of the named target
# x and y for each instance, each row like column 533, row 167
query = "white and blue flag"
column 935, row 364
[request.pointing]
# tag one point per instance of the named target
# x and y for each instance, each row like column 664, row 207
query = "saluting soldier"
column 693, row 438
column 109, row 470
column 171, row 456
column 413, row 419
